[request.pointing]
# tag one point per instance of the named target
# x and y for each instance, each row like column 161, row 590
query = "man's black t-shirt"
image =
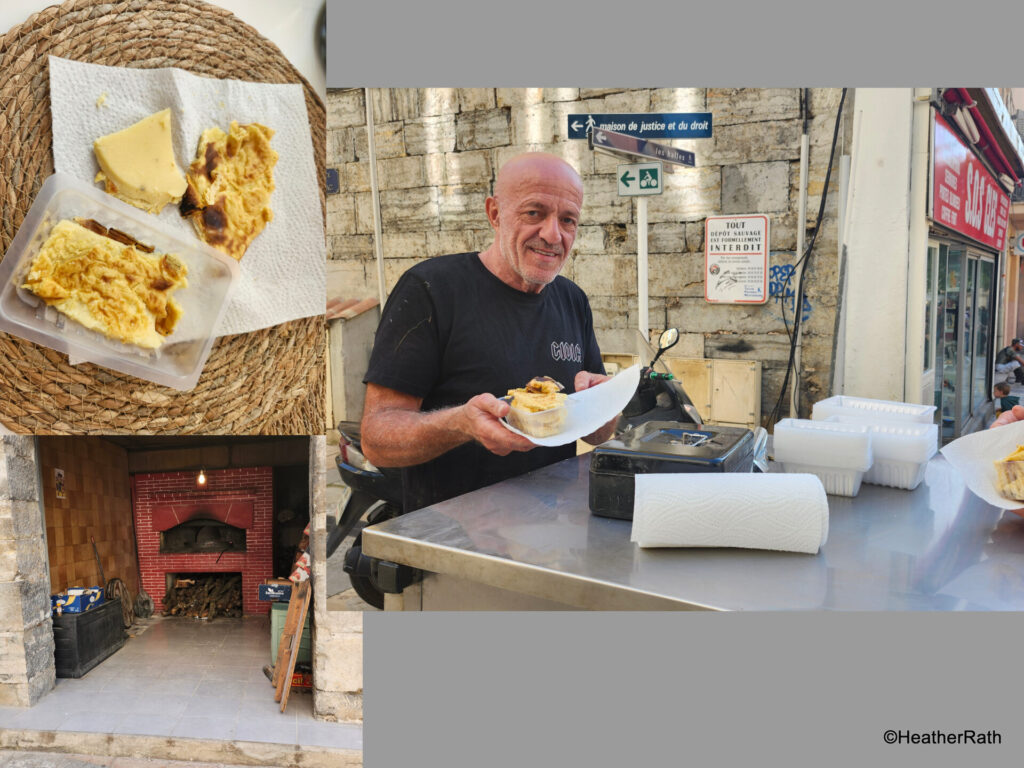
column 451, row 330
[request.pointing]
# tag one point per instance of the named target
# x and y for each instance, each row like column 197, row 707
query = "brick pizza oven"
column 231, row 516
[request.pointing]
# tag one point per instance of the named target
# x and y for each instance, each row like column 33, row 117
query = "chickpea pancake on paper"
column 108, row 282
column 229, row 186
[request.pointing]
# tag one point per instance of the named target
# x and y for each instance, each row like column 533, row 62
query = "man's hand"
column 586, row 380
column 481, row 415
column 396, row 433
column 1008, row 417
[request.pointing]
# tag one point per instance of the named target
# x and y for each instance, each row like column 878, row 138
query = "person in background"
column 1004, row 400
column 1010, row 359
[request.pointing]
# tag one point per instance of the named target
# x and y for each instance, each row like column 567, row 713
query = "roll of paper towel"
column 788, row 512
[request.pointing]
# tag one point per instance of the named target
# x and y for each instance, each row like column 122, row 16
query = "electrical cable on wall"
column 804, row 259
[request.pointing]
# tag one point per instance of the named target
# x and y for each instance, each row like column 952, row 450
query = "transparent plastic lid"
column 179, row 361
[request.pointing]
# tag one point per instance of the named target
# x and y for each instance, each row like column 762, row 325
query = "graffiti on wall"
column 782, row 289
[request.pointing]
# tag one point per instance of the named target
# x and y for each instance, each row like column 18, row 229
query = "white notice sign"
column 736, row 259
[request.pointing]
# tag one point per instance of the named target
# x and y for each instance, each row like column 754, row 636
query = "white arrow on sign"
column 576, row 125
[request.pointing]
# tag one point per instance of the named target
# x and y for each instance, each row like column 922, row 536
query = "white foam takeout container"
column 839, row 454
column 901, row 450
column 868, row 409
column 212, row 275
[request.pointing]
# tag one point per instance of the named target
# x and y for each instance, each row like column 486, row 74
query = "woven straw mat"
column 266, row 382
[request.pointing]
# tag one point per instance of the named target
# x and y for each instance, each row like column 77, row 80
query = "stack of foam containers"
column 903, row 436
column 839, row 454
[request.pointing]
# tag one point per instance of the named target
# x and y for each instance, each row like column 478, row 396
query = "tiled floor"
column 186, row 678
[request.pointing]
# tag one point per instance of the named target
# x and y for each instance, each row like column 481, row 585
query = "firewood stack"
column 205, row 597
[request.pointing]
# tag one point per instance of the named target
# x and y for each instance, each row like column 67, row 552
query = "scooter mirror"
column 668, row 339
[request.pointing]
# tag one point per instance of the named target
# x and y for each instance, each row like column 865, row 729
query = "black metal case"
column 662, row 446
column 83, row 640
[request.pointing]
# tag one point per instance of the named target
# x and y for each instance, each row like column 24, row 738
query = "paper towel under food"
column 283, row 272
column 786, row 512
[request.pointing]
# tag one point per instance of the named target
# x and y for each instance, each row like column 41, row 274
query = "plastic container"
column 179, row 362
column 839, row 454
column 901, row 451
column 539, row 423
column 866, row 409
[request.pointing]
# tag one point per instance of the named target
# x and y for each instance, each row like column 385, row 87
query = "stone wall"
column 438, row 150
column 337, row 635
column 26, row 632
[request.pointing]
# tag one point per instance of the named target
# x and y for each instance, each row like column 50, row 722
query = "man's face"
column 535, row 217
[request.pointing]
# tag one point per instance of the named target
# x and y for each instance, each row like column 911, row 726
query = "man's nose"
column 550, row 231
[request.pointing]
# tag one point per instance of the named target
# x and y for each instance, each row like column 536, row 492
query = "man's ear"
column 491, row 207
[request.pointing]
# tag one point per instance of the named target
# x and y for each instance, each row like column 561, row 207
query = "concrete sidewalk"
column 21, row 759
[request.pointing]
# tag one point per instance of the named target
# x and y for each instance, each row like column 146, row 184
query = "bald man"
column 459, row 331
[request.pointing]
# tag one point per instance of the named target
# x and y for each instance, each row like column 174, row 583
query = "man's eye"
column 569, row 222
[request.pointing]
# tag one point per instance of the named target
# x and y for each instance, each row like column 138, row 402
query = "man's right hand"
column 396, row 433
column 482, row 414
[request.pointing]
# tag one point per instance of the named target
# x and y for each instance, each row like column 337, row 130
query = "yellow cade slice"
column 138, row 165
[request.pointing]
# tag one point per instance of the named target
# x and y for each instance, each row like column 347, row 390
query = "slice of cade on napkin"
column 283, row 271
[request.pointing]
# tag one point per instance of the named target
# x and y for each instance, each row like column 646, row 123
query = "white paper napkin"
column 283, row 271
column 974, row 457
column 711, row 509
column 590, row 409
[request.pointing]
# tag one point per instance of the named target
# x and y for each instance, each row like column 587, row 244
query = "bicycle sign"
column 639, row 179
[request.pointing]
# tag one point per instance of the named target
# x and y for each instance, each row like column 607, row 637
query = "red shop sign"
column 965, row 196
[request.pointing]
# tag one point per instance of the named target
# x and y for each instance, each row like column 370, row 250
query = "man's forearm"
column 402, row 438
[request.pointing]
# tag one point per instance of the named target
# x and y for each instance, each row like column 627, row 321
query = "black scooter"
column 659, row 396
column 377, row 493
column 376, row 496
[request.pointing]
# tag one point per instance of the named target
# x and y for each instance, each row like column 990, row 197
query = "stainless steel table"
column 531, row 542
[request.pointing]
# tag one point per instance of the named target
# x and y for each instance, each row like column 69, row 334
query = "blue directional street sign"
column 630, row 145
column 643, row 125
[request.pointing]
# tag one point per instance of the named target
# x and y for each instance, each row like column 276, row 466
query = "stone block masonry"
column 337, row 635
column 26, row 632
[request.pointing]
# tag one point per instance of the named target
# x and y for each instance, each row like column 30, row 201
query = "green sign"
column 640, row 179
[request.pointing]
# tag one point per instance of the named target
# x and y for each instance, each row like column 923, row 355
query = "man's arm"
column 585, row 380
column 396, row 433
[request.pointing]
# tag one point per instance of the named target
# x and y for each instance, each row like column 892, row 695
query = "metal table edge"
column 534, row 580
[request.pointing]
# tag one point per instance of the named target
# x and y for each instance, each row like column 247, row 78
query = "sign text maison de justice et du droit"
column 643, row 125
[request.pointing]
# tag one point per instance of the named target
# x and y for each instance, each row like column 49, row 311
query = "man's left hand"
column 586, row 380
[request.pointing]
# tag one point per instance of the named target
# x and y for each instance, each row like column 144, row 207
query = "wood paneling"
column 97, row 505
